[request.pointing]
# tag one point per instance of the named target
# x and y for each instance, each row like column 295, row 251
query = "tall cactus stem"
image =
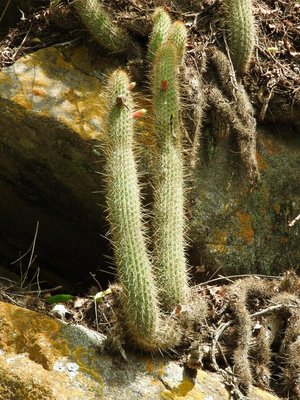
column 100, row 25
column 168, row 209
column 161, row 25
column 125, row 215
column 241, row 33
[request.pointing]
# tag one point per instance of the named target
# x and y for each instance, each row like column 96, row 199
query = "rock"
column 238, row 228
column 50, row 118
column 51, row 115
column 43, row 358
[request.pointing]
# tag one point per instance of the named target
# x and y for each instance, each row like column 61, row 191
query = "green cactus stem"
column 125, row 215
column 140, row 310
column 241, row 33
column 100, row 25
column 161, row 25
column 178, row 35
column 168, row 209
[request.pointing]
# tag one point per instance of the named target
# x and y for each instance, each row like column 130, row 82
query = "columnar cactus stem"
column 178, row 35
column 161, row 25
column 168, row 209
column 125, row 216
column 241, row 33
column 100, row 25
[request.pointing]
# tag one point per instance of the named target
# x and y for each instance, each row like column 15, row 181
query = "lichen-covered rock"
column 242, row 229
column 50, row 116
column 45, row 359
column 59, row 84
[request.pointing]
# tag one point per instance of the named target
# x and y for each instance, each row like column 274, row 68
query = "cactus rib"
column 178, row 35
column 161, row 25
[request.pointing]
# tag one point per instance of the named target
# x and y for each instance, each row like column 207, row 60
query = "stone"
column 239, row 229
column 51, row 115
column 42, row 358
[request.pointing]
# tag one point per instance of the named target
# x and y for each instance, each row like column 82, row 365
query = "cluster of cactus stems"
column 152, row 286
column 143, row 295
column 134, row 269
column 241, row 33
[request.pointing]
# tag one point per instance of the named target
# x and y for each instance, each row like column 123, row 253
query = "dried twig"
column 292, row 223
column 31, row 259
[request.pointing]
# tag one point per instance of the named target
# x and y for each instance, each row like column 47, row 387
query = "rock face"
column 50, row 117
column 51, row 112
column 239, row 229
column 43, row 358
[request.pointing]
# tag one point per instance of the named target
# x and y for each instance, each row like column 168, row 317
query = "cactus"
column 168, row 209
column 241, row 33
column 146, row 327
column 178, row 35
column 123, row 201
column 161, row 25
column 100, row 25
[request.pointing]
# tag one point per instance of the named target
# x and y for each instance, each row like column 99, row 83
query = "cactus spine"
column 161, row 25
column 100, row 25
column 123, row 201
column 168, row 209
column 241, row 33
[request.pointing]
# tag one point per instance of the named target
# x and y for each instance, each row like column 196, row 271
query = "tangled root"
column 237, row 297
column 262, row 339
column 230, row 100
column 288, row 339
column 193, row 101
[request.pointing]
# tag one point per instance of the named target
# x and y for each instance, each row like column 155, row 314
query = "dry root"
column 229, row 100
column 288, row 341
column 260, row 341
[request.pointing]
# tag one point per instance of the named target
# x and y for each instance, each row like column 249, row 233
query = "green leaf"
column 59, row 298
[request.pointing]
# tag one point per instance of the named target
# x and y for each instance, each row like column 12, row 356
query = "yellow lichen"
column 245, row 229
column 218, row 248
column 262, row 164
column 48, row 82
column 269, row 145
column 22, row 100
